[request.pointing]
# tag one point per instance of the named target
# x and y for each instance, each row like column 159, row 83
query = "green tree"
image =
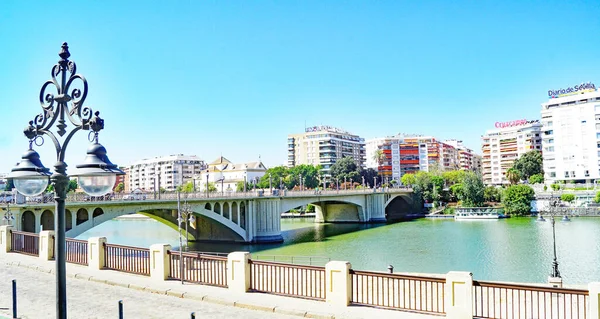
column 530, row 163
column 408, row 179
column 187, row 187
column 513, row 175
column 472, row 194
column 368, row 175
column 71, row 187
column 162, row 190
column 239, row 186
column 453, row 177
column 346, row 168
column 492, row 194
column 536, row 179
column 555, row 187
column 567, row 197
column 517, row 199
column 455, row 192
column 277, row 173
column 597, row 198
column 9, row 185
column 309, row 173
column 437, row 188
column 119, row 188
column 212, row 187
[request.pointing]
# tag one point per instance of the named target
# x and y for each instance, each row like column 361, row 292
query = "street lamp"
column 184, row 214
column 96, row 176
column 554, row 204
column 8, row 217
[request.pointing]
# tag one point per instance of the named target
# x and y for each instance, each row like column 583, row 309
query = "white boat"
column 477, row 214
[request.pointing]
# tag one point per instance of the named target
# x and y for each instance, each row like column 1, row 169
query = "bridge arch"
column 398, row 207
column 28, row 221
column 82, row 216
column 47, row 220
column 207, row 207
column 226, row 211
column 217, row 208
column 235, row 212
column 331, row 209
column 97, row 212
column 68, row 220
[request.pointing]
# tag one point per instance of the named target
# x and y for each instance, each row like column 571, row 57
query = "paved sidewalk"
column 98, row 291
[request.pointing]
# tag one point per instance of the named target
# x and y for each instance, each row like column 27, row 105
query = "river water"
column 515, row 249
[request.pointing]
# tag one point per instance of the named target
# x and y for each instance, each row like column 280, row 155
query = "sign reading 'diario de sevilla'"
column 515, row 123
column 577, row 89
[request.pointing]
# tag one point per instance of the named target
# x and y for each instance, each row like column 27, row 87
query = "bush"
column 536, row 179
column 517, row 199
column 545, row 188
column 597, row 198
column 555, row 187
column 448, row 210
column 567, row 197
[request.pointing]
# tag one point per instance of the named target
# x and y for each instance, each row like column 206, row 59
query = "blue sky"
column 235, row 77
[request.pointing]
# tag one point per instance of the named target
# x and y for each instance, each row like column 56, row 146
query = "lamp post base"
column 556, row 282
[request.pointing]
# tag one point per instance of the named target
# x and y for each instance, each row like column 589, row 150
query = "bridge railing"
column 129, row 259
column 25, row 243
column 396, row 291
column 503, row 300
column 82, row 197
column 198, row 268
column 76, row 251
column 286, row 279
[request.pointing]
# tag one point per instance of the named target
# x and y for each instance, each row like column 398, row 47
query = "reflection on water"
column 517, row 249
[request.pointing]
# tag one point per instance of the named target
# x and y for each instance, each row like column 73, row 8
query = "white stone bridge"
column 241, row 217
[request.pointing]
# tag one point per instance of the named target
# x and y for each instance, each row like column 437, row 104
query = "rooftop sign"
column 515, row 123
column 325, row 128
column 577, row 89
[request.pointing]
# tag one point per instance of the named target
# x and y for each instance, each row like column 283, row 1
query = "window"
column 552, row 174
column 572, row 174
column 549, row 132
column 566, row 174
column 550, row 141
column 587, row 173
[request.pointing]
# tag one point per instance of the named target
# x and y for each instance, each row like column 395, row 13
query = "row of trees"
column 468, row 190
column 528, row 167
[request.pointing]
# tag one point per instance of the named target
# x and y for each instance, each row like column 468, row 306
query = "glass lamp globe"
column 31, row 186
column 192, row 219
column 97, row 185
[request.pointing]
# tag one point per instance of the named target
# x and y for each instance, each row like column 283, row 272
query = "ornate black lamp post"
column 96, row 176
column 8, row 217
column 554, row 206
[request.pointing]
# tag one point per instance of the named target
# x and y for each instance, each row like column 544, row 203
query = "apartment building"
column 166, row 172
column 324, row 145
column 571, row 134
column 505, row 144
column 407, row 154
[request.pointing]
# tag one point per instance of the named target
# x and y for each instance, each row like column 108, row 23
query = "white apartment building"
column 166, row 172
column 505, row 144
column 571, row 134
column 324, row 145
column 226, row 175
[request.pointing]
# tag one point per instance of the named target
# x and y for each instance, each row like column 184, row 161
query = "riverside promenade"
column 95, row 294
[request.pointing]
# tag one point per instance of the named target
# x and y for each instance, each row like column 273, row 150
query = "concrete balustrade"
column 238, row 271
column 96, row 252
column 46, row 245
column 338, row 283
column 458, row 295
column 5, row 239
column 159, row 262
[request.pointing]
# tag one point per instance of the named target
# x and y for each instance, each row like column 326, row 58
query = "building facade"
column 324, row 145
column 571, row 134
column 225, row 175
column 165, row 172
column 408, row 154
column 505, row 144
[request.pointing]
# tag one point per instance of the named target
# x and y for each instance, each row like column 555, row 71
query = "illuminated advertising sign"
column 577, row 89
column 515, row 123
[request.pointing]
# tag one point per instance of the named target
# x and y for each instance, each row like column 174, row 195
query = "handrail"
column 492, row 284
column 398, row 276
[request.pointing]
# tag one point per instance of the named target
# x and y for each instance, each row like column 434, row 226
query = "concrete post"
column 594, row 289
column 459, row 295
column 238, row 271
column 96, row 252
column 159, row 262
column 46, row 245
column 5, row 239
column 338, row 283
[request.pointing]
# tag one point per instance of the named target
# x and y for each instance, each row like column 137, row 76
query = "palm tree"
column 513, row 175
column 379, row 157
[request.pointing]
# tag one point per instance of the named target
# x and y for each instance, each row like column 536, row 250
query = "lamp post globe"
column 97, row 175
column 30, row 177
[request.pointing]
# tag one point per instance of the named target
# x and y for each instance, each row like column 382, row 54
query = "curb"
column 186, row 295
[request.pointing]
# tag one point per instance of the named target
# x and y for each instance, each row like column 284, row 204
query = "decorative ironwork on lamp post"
column 96, row 176
column 8, row 216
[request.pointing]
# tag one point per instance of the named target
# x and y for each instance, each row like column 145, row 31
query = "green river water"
column 516, row 249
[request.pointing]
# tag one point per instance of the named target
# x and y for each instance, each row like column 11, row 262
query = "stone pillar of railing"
column 458, row 295
column 238, row 271
column 159, row 262
column 96, row 252
column 594, row 292
column 338, row 283
column 46, row 245
column 5, row 239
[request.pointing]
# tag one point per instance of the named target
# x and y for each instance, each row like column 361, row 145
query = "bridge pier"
column 375, row 208
column 264, row 220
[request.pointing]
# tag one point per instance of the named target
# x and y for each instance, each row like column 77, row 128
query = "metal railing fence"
column 289, row 280
column 25, row 243
column 127, row 259
column 198, row 268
